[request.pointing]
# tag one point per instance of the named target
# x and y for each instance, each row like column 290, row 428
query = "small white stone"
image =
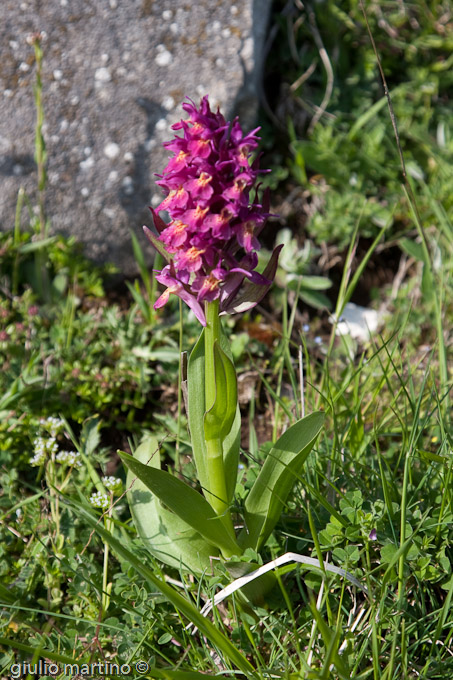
column 234, row 10
column 219, row 62
column 24, row 67
column 111, row 150
column 54, row 139
column 226, row 33
column 128, row 157
column 102, row 75
column 113, row 4
column 174, row 28
column 149, row 144
column 358, row 322
column 64, row 3
column 8, row 93
column 161, row 124
column 87, row 150
column 164, row 57
column 87, row 164
column 109, row 212
column 216, row 26
column 14, row 44
column 168, row 103
column 121, row 71
column 167, row 14
column 155, row 200
column 85, row 192
column 247, row 49
column 57, row 74
column 23, row 6
column 113, row 176
column 128, row 185
column 104, row 58
column 74, row 100
column 64, row 125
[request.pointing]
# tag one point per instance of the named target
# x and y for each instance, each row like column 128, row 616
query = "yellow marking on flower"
column 204, row 179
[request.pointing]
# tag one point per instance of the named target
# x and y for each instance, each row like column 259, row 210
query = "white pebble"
column 103, row 75
column 64, row 125
column 168, row 103
column 113, row 176
column 128, row 157
column 161, row 124
column 8, row 93
column 128, row 185
column 85, row 192
column 150, row 144
column 167, row 14
column 174, row 28
column 113, row 4
column 74, row 100
column 87, row 164
column 164, row 58
column 57, row 74
column 87, row 150
column 24, row 67
column 111, row 150
column 234, row 10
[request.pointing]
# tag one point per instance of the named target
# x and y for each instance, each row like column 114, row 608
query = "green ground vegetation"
column 374, row 496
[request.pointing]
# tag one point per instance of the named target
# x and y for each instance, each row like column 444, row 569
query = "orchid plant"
column 210, row 248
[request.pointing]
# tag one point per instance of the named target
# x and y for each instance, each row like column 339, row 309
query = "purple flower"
column 211, row 241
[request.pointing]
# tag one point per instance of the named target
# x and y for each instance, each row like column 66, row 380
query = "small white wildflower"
column 69, row 458
column 113, row 484
column 45, row 446
column 52, row 424
column 38, row 459
column 99, row 500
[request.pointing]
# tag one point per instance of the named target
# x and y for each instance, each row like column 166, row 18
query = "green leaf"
column 185, row 502
column 41, row 652
column 412, row 248
column 281, row 468
column 196, row 412
column 165, row 535
column 315, row 282
column 181, row 603
column 219, row 419
column 331, row 641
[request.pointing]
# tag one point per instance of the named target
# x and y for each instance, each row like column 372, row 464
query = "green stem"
column 214, row 449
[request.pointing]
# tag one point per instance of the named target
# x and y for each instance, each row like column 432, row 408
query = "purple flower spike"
column 211, row 241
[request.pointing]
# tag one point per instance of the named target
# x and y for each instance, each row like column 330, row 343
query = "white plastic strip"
column 278, row 562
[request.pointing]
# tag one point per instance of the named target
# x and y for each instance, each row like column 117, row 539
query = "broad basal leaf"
column 280, row 470
column 185, row 502
column 167, row 536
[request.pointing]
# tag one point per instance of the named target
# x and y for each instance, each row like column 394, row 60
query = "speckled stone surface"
column 115, row 73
